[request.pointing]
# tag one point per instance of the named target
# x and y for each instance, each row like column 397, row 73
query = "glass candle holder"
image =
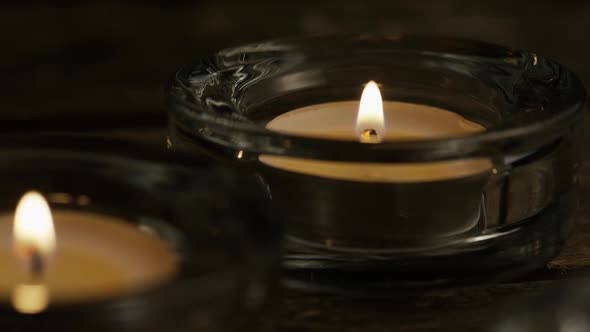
column 415, row 211
column 144, row 240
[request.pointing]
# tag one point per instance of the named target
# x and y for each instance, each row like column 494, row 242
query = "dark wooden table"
column 101, row 69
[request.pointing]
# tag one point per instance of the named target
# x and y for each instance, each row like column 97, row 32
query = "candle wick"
column 37, row 266
column 370, row 136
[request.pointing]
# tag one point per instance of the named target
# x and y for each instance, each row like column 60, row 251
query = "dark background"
column 95, row 65
column 96, row 57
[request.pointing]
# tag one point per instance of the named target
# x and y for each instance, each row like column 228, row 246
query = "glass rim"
column 74, row 146
column 185, row 113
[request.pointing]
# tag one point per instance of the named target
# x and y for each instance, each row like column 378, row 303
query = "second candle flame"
column 34, row 233
column 370, row 121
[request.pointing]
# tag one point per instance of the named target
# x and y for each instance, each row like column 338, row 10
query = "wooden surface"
column 92, row 66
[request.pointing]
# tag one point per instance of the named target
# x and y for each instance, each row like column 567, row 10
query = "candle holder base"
column 497, row 255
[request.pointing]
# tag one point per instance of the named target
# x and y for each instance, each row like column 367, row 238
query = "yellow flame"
column 30, row 298
column 370, row 116
column 33, row 227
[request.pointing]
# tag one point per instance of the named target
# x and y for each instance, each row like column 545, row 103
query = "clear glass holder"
column 357, row 236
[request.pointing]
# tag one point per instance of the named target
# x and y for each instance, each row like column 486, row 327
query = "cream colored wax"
column 403, row 121
column 96, row 257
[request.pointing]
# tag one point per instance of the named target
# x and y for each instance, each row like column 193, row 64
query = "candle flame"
column 34, row 233
column 370, row 121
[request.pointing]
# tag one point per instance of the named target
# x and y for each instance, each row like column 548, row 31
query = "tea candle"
column 389, row 121
column 68, row 256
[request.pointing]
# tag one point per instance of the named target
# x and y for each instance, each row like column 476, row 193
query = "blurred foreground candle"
column 68, row 257
column 375, row 121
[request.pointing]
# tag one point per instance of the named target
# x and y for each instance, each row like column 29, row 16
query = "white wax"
column 97, row 257
column 403, row 121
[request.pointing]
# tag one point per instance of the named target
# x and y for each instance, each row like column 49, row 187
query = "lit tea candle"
column 374, row 121
column 69, row 257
